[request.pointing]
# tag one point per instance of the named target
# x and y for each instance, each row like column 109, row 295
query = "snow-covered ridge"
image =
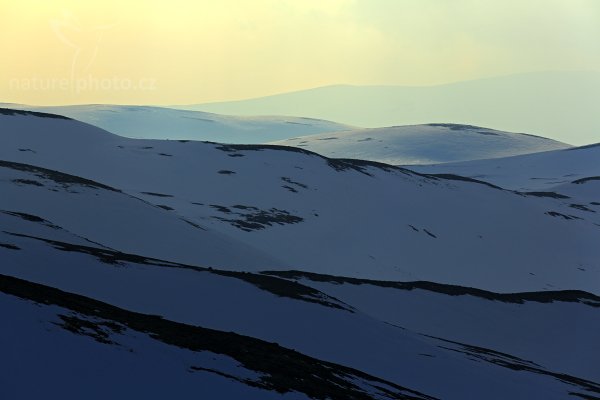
column 9, row 111
column 340, row 217
column 513, row 323
column 147, row 259
column 164, row 123
column 277, row 310
column 423, row 144
column 530, row 172
column 209, row 353
column 102, row 214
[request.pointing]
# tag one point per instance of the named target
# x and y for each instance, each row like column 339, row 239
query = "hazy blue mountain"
column 558, row 105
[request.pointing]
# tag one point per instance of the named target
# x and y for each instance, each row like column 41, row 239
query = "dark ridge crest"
column 58, row 177
column 12, row 112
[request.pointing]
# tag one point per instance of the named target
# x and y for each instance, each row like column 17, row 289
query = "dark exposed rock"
column 282, row 370
column 58, row 177
column 252, row 218
column 27, row 182
column 588, row 179
column 156, row 194
column 552, row 195
column 569, row 296
column 557, row 214
column 581, row 207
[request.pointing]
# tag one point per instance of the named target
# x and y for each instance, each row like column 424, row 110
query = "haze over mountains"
column 259, row 271
column 165, row 123
column 420, row 144
column 557, row 105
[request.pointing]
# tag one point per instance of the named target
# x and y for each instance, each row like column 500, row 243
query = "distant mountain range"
column 559, row 105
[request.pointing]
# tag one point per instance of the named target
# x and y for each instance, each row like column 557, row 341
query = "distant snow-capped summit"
column 423, row 144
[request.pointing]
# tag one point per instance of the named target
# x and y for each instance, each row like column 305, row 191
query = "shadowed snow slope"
column 520, row 324
column 163, row 268
column 70, row 341
column 165, row 123
column 330, row 216
column 270, row 308
column 104, row 215
column 423, row 144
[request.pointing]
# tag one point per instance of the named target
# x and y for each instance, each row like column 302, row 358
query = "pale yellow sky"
column 177, row 52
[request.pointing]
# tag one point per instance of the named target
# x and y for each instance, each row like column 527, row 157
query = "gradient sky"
column 177, row 52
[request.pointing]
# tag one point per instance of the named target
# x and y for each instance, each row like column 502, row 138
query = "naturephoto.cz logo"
column 82, row 84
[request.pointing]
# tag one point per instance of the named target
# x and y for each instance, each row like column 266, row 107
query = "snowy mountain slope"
column 422, row 144
column 520, row 324
column 561, row 104
column 565, row 180
column 104, row 215
column 577, row 200
column 530, row 172
column 344, row 218
column 147, row 356
column 264, row 307
column 166, row 123
column 77, row 233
